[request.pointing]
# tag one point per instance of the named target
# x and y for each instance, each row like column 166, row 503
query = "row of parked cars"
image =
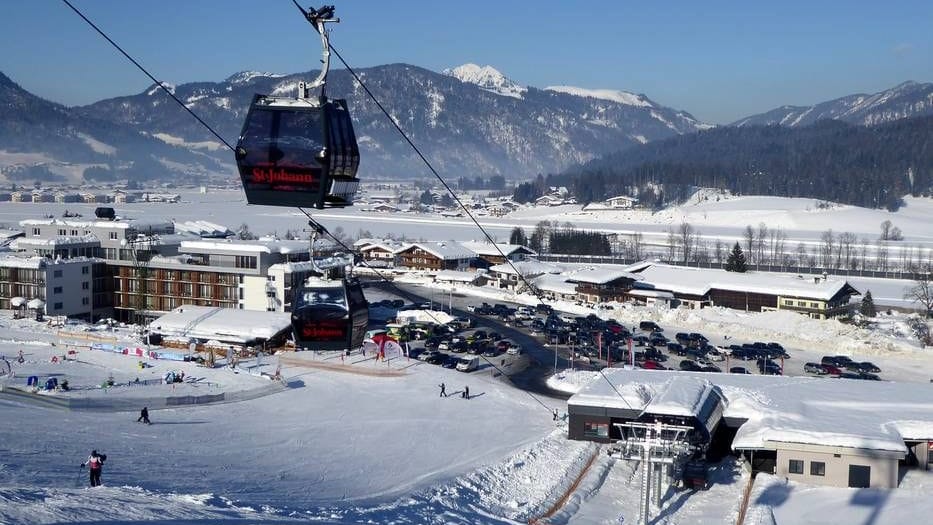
column 844, row 367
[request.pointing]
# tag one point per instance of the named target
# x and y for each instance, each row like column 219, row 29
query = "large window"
column 600, row 430
column 817, row 468
column 795, row 466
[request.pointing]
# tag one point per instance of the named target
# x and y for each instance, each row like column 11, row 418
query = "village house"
column 435, row 256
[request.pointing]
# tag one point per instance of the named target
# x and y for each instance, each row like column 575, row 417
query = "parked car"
column 676, row 348
column 640, row 340
column 428, row 355
column 710, row 368
column 649, row 326
column 491, row 352
column 690, row 366
column 514, row 349
column 831, row 370
column 839, row 361
column 739, row 370
column 468, row 364
column 652, row 365
column 868, row 367
column 869, row 376
column 450, row 362
column 814, row 368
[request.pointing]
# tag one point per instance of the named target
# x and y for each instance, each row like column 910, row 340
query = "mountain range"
column 910, row 99
column 470, row 121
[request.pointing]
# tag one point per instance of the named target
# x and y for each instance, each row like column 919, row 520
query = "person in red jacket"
column 95, row 463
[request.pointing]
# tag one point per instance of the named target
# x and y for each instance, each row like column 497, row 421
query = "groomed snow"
column 613, row 95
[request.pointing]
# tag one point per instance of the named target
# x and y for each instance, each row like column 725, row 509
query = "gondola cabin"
column 329, row 314
column 298, row 153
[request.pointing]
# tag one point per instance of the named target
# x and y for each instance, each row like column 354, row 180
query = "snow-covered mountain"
column 47, row 142
column 488, row 78
column 909, row 99
column 472, row 121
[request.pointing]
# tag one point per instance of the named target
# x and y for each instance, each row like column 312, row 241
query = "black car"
column 676, row 348
column 710, row 368
column 690, row 366
column 640, row 340
column 451, row 361
column 649, row 326
column 739, row 370
column 868, row 367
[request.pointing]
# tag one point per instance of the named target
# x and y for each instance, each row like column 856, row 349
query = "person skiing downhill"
column 144, row 416
column 95, row 463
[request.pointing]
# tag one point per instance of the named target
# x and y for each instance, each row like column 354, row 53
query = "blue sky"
column 720, row 60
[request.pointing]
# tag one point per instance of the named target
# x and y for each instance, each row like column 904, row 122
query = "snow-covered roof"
column 489, row 249
column 680, row 396
column 651, row 293
column 527, row 268
column 122, row 224
column 596, row 275
column 36, row 242
column 35, row 263
column 554, row 283
column 445, row 250
column 698, row 281
column 228, row 325
column 389, row 245
column 202, row 228
column 453, row 275
column 284, row 247
column 780, row 409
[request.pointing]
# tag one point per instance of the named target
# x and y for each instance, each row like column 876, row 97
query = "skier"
column 466, row 392
column 443, row 390
column 144, row 416
column 95, row 463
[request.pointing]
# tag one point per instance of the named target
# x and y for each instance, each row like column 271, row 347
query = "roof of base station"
column 228, row 325
column 877, row 415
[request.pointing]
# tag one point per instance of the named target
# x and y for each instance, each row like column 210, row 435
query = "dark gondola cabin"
column 298, row 152
column 329, row 314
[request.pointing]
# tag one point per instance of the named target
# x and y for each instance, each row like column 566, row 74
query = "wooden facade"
column 163, row 290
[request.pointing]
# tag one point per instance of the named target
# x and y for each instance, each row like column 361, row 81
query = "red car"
column 653, row 365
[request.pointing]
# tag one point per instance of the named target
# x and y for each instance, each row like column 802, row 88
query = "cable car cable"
column 141, row 68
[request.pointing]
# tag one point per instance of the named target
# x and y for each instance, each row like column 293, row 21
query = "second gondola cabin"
column 329, row 314
column 298, row 152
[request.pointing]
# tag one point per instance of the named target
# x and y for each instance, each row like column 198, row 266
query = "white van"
column 468, row 363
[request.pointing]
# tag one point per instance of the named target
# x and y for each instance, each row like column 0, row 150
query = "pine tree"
column 868, row 305
column 518, row 237
column 736, row 260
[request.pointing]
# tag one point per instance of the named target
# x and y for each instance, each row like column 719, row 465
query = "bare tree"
column 761, row 241
column 863, row 254
column 801, row 254
column 847, row 243
column 718, row 251
column 922, row 293
column 828, row 244
column 886, row 230
column 686, row 236
column 881, row 256
column 637, row 246
column 671, row 245
column 749, row 241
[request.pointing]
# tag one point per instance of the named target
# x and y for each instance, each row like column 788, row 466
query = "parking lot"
column 548, row 339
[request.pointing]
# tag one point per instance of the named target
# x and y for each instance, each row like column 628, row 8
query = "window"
column 85, row 270
column 85, row 301
column 74, row 233
column 85, row 285
column 57, row 290
column 58, row 306
column 600, row 430
column 62, row 231
column 37, row 231
column 795, row 466
column 817, row 468
column 113, row 236
column 57, row 273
